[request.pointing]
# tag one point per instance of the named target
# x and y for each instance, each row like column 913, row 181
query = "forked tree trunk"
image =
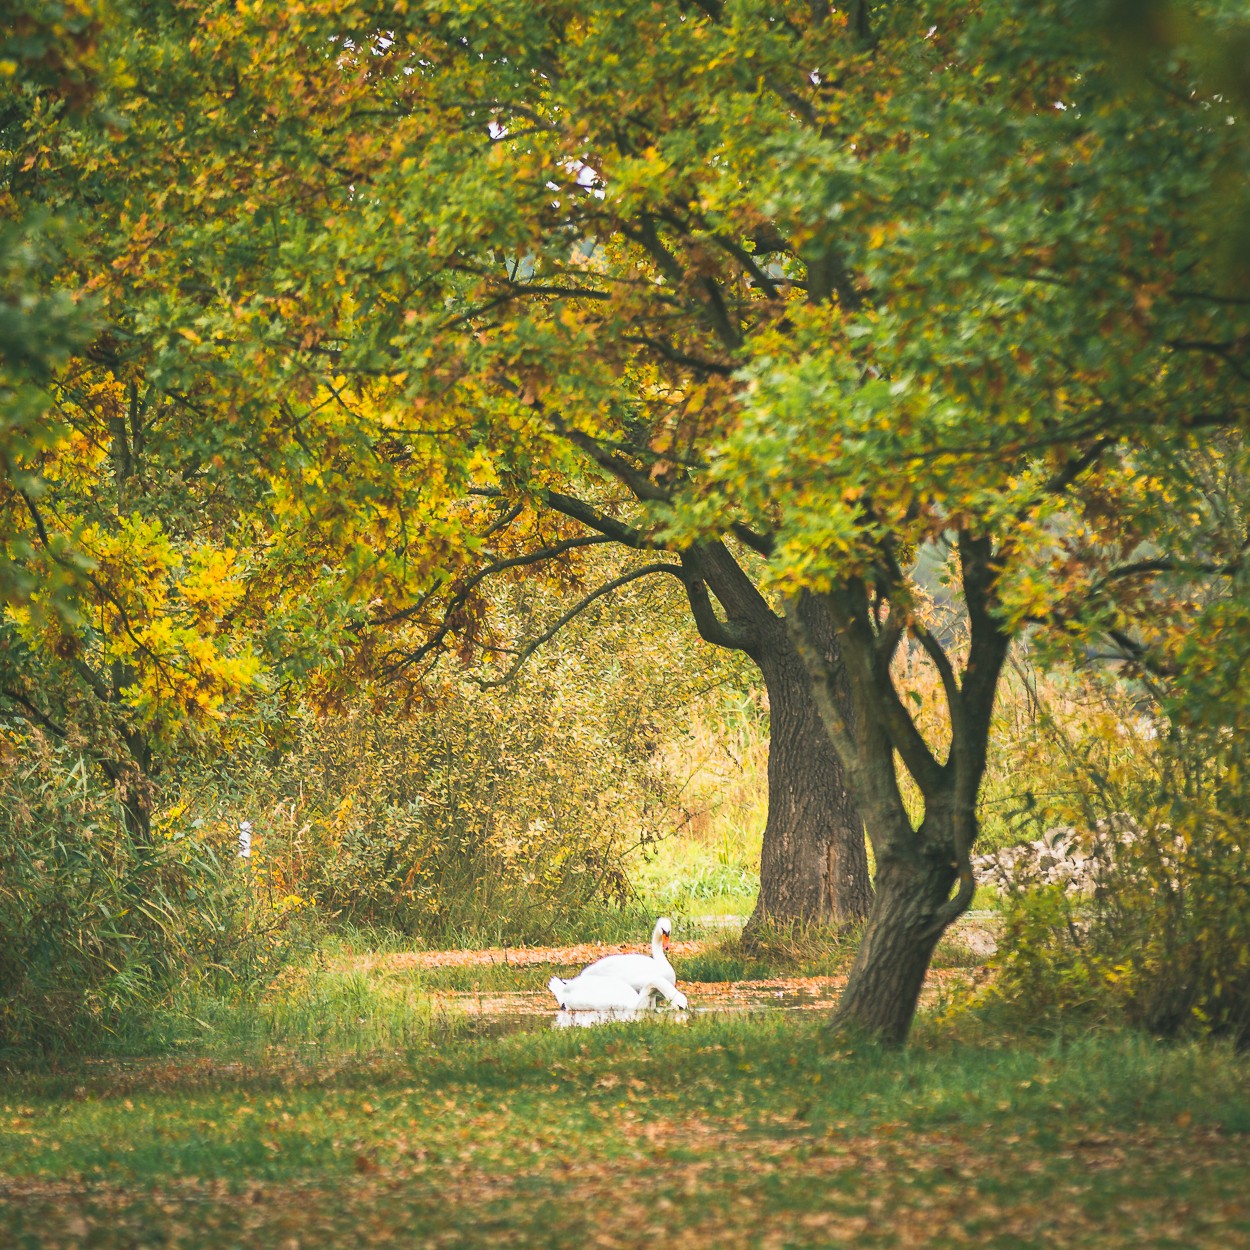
column 917, row 869
column 814, row 861
column 884, row 986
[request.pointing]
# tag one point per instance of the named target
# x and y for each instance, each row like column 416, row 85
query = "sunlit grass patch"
column 326, row 1010
column 777, row 951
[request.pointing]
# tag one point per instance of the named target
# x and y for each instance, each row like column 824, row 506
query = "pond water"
column 495, row 1014
column 490, row 1014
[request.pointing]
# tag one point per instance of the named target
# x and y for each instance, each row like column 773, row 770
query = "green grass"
column 586, row 922
column 720, row 1134
column 695, row 878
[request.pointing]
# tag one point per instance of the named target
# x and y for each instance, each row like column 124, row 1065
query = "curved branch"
column 955, row 907
column 496, row 566
column 876, row 687
column 761, row 544
column 711, row 628
column 746, row 259
column 606, row 589
column 673, row 356
column 942, row 663
column 1075, row 467
column 578, row 510
column 612, row 461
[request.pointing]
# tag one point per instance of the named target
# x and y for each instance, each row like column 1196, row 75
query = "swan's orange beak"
column 664, row 940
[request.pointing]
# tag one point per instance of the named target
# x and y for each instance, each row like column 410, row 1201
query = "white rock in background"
column 1061, row 856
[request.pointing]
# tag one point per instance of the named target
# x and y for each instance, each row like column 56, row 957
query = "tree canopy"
column 374, row 302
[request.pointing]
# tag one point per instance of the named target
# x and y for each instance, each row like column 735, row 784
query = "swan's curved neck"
column 663, row 987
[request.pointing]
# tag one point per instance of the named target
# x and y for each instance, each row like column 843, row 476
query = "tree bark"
column 917, row 868
column 134, row 787
column 814, row 860
column 884, row 986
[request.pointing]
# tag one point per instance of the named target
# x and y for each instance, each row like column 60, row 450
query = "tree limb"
column 727, row 634
column 608, row 588
column 578, row 510
column 33, row 713
column 496, row 566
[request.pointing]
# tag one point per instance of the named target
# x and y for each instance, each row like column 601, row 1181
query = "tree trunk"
column 884, row 986
column 134, row 785
column 137, row 813
column 814, row 861
column 916, row 868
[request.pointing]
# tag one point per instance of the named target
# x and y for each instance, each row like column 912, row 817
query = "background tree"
column 384, row 232
column 47, row 65
column 160, row 544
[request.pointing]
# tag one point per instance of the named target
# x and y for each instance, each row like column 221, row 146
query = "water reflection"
column 586, row 1019
column 527, row 1011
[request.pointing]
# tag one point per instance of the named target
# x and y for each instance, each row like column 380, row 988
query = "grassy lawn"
column 755, row 1131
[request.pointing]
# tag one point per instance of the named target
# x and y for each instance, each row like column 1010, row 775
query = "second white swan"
column 604, row 993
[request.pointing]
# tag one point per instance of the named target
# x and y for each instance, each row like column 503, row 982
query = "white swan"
column 638, row 970
column 602, row 993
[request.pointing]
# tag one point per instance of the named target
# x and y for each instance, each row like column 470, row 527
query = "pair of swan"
column 623, row 982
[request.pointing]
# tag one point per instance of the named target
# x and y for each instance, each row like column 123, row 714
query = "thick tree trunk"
column 814, row 861
column 884, row 986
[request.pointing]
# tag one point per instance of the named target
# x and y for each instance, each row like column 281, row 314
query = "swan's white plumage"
column 604, row 993
column 637, row 970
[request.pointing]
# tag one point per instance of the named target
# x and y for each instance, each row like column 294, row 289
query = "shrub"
column 1043, row 970
column 99, row 936
column 496, row 813
column 1171, row 921
column 1162, row 939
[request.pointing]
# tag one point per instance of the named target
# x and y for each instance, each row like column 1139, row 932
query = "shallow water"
column 495, row 1015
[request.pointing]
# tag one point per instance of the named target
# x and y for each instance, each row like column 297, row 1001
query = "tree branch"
column 33, row 713
column 589, row 515
column 932, row 648
column 727, row 634
column 1147, row 568
column 673, row 356
column 608, row 588
column 761, row 544
column 1064, row 478
column 496, row 566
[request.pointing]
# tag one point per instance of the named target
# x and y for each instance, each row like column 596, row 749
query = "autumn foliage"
column 328, row 327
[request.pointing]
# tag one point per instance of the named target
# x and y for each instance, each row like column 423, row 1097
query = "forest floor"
column 730, row 1126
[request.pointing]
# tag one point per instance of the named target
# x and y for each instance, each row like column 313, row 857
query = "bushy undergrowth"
column 470, row 815
column 102, row 936
column 1163, row 939
column 487, row 815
